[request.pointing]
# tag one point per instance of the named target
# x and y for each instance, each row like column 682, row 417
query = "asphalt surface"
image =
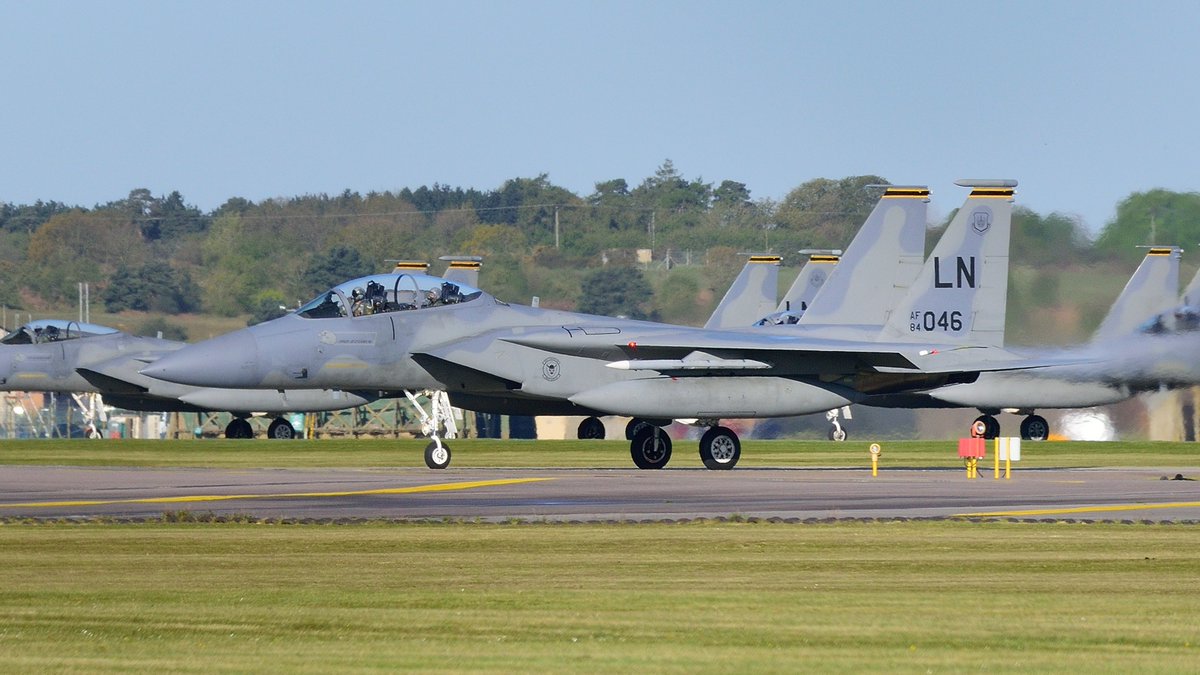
column 1121, row 495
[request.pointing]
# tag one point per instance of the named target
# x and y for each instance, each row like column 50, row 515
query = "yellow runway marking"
column 440, row 487
column 1081, row 509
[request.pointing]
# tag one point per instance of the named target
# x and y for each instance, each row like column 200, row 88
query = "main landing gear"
column 279, row 429
column 650, row 446
column 1033, row 427
column 591, row 428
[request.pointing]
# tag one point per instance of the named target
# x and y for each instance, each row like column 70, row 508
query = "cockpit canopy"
column 381, row 293
column 1179, row 320
column 53, row 330
column 785, row 318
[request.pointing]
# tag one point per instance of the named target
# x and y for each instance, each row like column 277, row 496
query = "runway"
column 591, row 495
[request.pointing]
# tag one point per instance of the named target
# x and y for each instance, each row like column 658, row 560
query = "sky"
column 1084, row 103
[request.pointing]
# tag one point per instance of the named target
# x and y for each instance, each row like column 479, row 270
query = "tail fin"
column 810, row 280
column 752, row 295
column 961, row 294
column 1150, row 290
column 463, row 269
column 1191, row 294
column 878, row 266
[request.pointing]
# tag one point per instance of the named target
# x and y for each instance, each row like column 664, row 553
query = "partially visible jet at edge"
column 1095, row 375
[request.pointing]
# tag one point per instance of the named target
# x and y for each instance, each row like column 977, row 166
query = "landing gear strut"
column 650, row 447
column 440, row 417
column 837, row 432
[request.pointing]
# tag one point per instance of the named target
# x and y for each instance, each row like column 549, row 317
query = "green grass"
column 702, row 597
column 477, row 453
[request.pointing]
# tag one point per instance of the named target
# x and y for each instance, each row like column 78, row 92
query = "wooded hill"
column 160, row 261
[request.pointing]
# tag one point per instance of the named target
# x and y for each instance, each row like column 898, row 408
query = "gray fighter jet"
column 1142, row 345
column 70, row 357
column 750, row 296
column 415, row 331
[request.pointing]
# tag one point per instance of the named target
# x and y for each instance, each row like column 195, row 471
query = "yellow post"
column 875, row 449
column 1007, row 467
column 996, row 459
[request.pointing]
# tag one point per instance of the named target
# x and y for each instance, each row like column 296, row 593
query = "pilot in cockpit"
column 358, row 302
column 374, row 298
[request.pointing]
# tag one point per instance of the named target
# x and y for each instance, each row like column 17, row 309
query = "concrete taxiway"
column 599, row 494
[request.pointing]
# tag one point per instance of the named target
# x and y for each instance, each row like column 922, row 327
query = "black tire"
column 991, row 426
column 650, row 448
column 1035, row 428
column 239, row 428
column 635, row 425
column 281, row 430
column 837, row 434
column 437, row 457
column 591, row 428
column 720, row 449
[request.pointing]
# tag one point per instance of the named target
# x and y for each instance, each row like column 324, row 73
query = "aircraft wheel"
column 635, row 425
column 281, row 429
column 650, row 448
column 1035, row 428
column 239, row 428
column 437, row 456
column 720, row 448
column 991, row 427
column 837, row 433
column 591, row 427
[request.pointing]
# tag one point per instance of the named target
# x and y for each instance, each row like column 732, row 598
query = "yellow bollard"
column 996, row 459
column 875, row 450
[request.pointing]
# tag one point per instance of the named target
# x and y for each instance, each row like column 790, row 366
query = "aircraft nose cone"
column 226, row 361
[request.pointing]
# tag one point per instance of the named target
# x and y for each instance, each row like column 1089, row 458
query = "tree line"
column 160, row 254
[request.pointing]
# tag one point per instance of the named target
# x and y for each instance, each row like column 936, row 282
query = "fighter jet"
column 1136, row 348
column 415, row 331
column 750, row 296
column 71, row 357
column 803, row 289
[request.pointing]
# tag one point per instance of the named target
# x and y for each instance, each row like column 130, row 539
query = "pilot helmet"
column 357, row 293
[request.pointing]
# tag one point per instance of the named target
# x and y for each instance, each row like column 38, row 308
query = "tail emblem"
column 981, row 221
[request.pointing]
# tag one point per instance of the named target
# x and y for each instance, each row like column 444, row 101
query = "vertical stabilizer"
column 812, row 277
column 878, row 266
column 1191, row 294
column 463, row 269
column 961, row 294
column 752, row 295
column 1150, row 290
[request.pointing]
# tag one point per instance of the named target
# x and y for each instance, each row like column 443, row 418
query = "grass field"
column 698, row 597
column 486, row 453
column 744, row 597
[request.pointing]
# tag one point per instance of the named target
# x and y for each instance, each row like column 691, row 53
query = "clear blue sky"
column 1083, row 102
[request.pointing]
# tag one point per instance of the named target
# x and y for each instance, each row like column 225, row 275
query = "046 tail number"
column 933, row 321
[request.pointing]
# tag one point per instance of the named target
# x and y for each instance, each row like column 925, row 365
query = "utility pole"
column 556, row 227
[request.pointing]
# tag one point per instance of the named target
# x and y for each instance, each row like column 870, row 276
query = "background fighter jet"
column 750, row 296
column 70, row 357
column 803, row 289
column 1135, row 349
column 423, row 332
